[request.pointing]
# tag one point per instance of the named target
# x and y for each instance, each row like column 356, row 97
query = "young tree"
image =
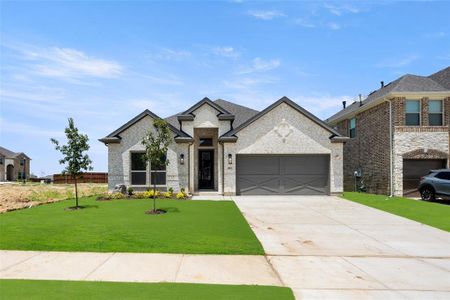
column 74, row 158
column 156, row 143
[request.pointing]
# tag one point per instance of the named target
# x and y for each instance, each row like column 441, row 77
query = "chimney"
column 360, row 99
column 344, row 103
column 382, row 84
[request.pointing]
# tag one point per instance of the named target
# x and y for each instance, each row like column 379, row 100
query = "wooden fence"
column 91, row 177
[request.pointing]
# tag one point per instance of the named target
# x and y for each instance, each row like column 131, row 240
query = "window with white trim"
column 138, row 169
column 412, row 113
column 352, row 128
column 158, row 173
column 435, row 112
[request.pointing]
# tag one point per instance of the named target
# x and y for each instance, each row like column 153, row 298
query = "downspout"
column 391, row 150
column 223, row 168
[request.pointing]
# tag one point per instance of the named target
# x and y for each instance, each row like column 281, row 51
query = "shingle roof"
column 115, row 135
column 7, row 153
column 10, row 154
column 442, row 77
column 406, row 83
column 241, row 113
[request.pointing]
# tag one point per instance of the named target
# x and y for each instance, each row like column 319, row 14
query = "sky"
column 102, row 62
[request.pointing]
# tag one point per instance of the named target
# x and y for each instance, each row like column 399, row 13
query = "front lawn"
column 48, row 289
column 433, row 214
column 201, row 227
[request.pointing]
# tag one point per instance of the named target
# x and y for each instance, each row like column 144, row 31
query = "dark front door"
column 206, row 169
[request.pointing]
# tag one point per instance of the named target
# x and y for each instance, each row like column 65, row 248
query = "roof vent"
column 344, row 103
column 360, row 99
column 382, row 84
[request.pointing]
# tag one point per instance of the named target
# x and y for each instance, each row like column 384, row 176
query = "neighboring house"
column 13, row 166
column 397, row 134
column 230, row 149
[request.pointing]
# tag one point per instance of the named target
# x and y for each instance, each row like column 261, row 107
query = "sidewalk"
column 137, row 267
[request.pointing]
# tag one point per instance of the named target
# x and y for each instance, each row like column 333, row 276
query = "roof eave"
column 110, row 140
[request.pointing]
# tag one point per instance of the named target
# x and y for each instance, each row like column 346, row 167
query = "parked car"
column 436, row 183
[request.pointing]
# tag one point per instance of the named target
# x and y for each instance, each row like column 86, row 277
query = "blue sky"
column 104, row 62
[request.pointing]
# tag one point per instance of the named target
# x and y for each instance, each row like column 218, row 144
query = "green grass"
column 430, row 213
column 202, row 227
column 47, row 289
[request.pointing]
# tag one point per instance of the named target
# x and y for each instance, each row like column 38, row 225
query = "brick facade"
column 370, row 155
column 369, row 151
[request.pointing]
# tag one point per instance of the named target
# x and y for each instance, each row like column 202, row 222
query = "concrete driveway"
column 325, row 247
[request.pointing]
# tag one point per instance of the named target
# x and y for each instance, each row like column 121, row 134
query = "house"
column 229, row 149
column 397, row 134
column 13, row 165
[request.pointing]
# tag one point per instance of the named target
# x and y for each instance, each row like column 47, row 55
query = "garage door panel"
column 254, row 165
column 305, row 164
column 413, row 169
column 305, row 184
column 283, row 174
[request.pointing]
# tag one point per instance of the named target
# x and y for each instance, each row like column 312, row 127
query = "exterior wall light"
column 181, row 159
column 230, row 159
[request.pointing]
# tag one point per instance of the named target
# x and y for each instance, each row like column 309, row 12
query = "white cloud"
column 435, row 35
column 266, row 14
column 333, row 26
column 172, row 54
column 338, row 10
column 248, row 82
column 398, row 62
column 304, row 23
column 68, row 63
column 226, row 52
column 9, row 126
column 261, row 65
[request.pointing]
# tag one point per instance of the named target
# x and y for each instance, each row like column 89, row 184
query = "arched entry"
column 10, row 173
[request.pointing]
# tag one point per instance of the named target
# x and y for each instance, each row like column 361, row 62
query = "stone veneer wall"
column 369, row 150
column 305, row 137
column 119, row 158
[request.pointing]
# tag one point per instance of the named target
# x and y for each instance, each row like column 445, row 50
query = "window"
column 443, row 175
column 158, row 173
column 205, row 142
column 22, row 162
column 352, row 128
column 412, row 113
column 138, row 169
column 1, row 160
column 435, row 112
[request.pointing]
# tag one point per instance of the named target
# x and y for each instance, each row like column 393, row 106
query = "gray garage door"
column 413, row 169
column 282, row 174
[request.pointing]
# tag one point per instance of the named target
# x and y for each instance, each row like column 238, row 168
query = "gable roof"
column 10, row 154
column 407, row 83
column 188, row 114
column 442, row 77
column 114, row 136
column 241, row 113
column 289, row 102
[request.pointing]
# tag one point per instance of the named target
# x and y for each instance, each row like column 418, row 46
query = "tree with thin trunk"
column 75, row 159
column 156, row 143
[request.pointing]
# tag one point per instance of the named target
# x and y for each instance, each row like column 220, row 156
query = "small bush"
column 130, row 191
column 181, row 195
column 167, row 194
column 150, row 193
column 140, row 195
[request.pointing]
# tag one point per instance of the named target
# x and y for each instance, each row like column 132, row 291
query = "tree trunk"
column 76, row 191
column 154, row 194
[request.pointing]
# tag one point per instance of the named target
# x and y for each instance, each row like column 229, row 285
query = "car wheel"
column 427, row 194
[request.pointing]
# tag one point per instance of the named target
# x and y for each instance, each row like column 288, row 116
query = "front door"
column 206, row 169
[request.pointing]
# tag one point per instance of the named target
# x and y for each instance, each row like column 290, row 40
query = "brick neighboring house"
column 397, row 134
column 13, row 165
